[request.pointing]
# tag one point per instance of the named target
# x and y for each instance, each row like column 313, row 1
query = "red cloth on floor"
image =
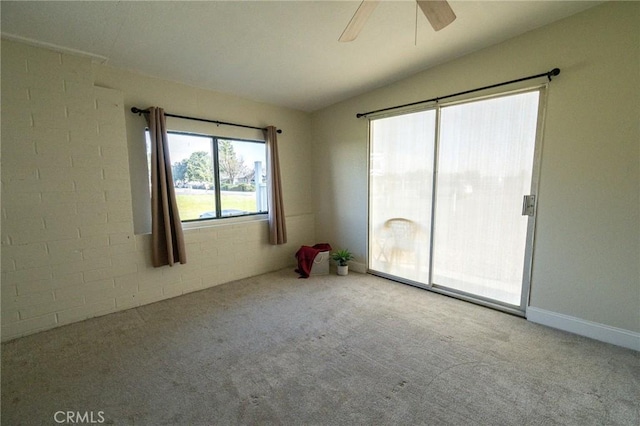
column 306, row 255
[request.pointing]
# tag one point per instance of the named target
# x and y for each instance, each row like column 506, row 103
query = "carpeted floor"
column 356, row 350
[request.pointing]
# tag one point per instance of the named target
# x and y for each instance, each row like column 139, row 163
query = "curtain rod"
column 139, row 111
column 547, row 74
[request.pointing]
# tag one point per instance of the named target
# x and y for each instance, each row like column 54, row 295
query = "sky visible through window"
column 183, row 145
column 186, row 144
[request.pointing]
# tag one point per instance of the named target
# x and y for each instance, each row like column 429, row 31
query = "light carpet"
column 328, row 350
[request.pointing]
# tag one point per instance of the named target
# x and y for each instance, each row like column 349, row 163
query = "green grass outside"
column 191, row 206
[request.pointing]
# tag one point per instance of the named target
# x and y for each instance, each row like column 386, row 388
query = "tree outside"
column 231, row 165
column 179, row 171
column 199, row 168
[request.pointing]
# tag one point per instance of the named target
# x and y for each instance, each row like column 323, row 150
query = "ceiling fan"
column 438, row 12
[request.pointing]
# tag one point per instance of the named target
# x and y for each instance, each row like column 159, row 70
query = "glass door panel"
column 400, row 195
column 485, row 161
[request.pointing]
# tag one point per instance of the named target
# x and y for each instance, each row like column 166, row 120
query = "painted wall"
column 588, row 226
column 71, row 151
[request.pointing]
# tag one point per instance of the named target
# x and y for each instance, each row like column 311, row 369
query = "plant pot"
column 343, row 270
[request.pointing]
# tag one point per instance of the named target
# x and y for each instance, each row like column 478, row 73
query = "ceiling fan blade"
column 438, row 12
column 358, row 20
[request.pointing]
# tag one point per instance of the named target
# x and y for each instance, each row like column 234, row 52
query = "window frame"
column 214, row 143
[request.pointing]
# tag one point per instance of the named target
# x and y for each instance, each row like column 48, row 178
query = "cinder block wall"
column 69, row 251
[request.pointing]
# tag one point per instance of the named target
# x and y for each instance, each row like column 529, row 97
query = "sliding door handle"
column 528, row 205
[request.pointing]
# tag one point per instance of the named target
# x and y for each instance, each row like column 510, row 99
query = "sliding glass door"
column 446, row 197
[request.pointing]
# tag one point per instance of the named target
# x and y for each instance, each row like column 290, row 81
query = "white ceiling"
column 280, row 52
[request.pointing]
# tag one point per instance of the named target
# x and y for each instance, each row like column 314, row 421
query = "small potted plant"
column 342, row 257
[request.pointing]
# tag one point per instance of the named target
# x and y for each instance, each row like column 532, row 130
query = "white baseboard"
column 358, row 267
column 593, row 330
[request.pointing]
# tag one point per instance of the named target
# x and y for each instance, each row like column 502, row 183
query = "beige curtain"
column 167, row 239
column 277, row 226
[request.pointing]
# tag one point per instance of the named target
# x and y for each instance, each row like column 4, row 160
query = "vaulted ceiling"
column 280, row 52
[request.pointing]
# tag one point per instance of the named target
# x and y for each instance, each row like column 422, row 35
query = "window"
column 217, row 177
